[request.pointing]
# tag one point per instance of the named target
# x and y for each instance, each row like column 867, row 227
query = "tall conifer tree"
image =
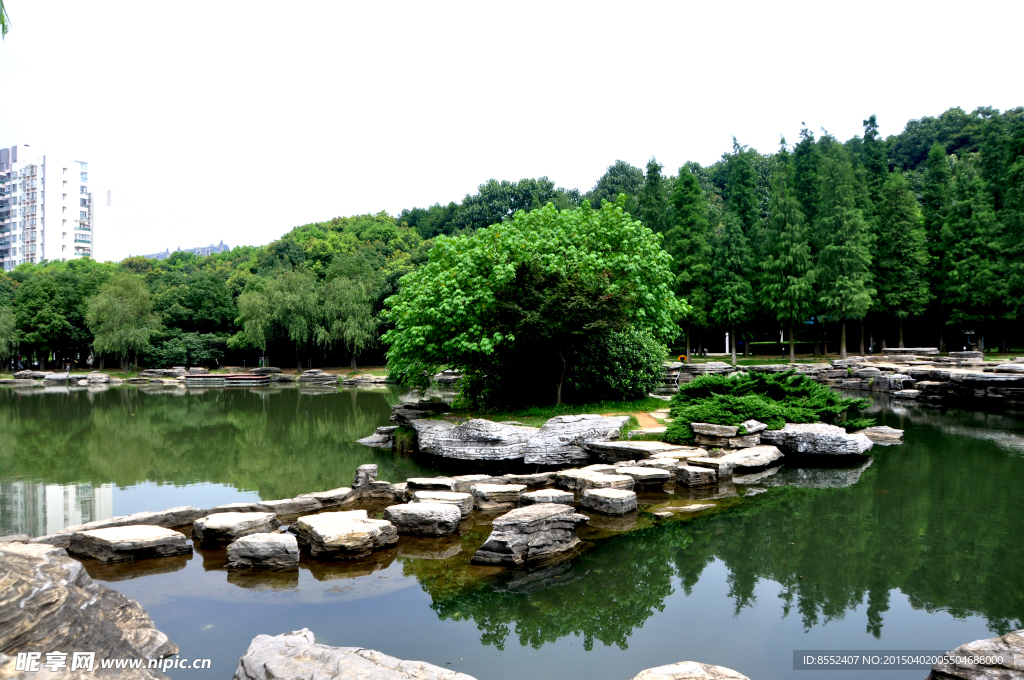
column 806, row 158
column 742, row 196
column 875, row 164
column 653, row 199
column 787, row 280
column 733, row 265
column 901, row 263
column 687, row 241
column 844, row 264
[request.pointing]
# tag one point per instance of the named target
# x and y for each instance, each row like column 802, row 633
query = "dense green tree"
column 901, row 265
column 731, row 275
column 806, row 159
column 688, row 242
column 873, row 158
column 742, row 197
column 787, row 287
column 8, row 332
column 497, row 201
column 843, row 268
column 619, row 178
column 653, row 199
column 292, row 299
column 121, row 317
column 255, row 316
column 45, row 310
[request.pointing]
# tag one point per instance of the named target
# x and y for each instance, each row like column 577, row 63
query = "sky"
column 237, row 121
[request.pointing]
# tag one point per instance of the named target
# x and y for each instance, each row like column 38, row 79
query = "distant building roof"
column 200, row 251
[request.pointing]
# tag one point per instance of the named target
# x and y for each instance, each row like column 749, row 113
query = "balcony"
column 82, row 227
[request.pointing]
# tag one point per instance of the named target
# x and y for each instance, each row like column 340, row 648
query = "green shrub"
column 772, row 398
column 618, row 366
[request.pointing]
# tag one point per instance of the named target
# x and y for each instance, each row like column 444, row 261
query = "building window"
column 65, row 181
column 83, row 189
column 63, row 223
column 63, row 208
column 65, row 197
column 85, row 176
column 83, row 214
column 85, row 166
column 82, row 203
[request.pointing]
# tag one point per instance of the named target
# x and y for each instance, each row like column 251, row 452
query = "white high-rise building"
column 46, row 207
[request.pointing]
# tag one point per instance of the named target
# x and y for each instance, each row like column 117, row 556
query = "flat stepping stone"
column 754, row 457
column 618, row 451
column 624, row 482
column 122, row 544
column 532, row 534
column 609, row 501
column 715, row 430
column 290, row 506
column 669, row 464
column 646, row 476
column 264, row 551
column 430, row 484
column 696, row 476
column 681, row 453
column 463, row 501
column 226, row 527
column 547, row 496
column 884, row 435
column 344, row 534
column 333, row 497
column 464, row 483
column 534, row 481
column 497, row 496
column 424, row 519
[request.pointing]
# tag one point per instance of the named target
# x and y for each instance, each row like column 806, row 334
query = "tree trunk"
column 136, row 361
column 883, row 343
column 687, row 345
column 901, row 333
column 124, row 364
column 746, row 349
column 561, row 378
column 942, row 343
column 824, row 338
column 862, row 352
column 298, row 361
column 842, row 341
column 353, row 361
column 792, row 345
column 101, row 363
column 732, row 344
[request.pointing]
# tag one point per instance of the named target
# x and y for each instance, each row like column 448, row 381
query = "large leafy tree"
column 8, row 333
column 447, row 312
column 653, row 199
column 348, row 299
column 901, row 263
column 688, row 242
column 787, row 268
column 619, row 178
column 731, row 275
column 121, row 317
column 843, row 270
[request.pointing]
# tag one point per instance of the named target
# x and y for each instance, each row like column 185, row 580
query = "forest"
column 816, row 247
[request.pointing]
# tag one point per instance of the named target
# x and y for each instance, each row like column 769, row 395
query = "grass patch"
column 535, row 416
column 772, row 398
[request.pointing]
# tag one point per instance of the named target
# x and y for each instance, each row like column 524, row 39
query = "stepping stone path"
column 754, row 457
column 693, row 476
column 646, row 476
column 290, row 506
column 345, row 534
column 225, row 527
column 264, row 551
column 463, row 501
column 547, row 496
column 618, row 451
column 424, row 519
column 332, row 498
column 488, row 497
column 530, row 535
column 430, row 484
column 122, row 544
column 609, row 501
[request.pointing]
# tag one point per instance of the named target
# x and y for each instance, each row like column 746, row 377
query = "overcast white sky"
column 239, row 120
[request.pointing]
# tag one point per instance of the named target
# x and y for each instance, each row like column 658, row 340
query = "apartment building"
column 46, row 207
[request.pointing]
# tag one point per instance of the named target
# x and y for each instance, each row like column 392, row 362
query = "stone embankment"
column 297, row 656
column 198, row 377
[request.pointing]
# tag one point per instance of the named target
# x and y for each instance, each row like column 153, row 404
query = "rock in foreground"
column 690, row 670
column 49, row 602
column 121, row 544
column 1010, row 647
column 609, row 501
column 424, row 519
column 296, row 656
column 347, row 535
column 264, row 551
column 531, row 534
column 817, row 439
column 225, row 527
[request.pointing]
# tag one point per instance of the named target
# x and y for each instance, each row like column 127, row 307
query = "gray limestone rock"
column 817, row 439
column 609, row 501
column 693, row 476
column 264, row 551
column 345, row 534
column 175, row 517
column 690, row 670
column 121, row 544
column 400, row 492
column 49, row 602
column 463, row 483
column 333, row 497
column 715, row 430
column 234, row 507
column 743, row 459
column 560, row 441
column 364, row 475
column 415, row 484
column 618, row 451
column 646, row 476
column 424, row 519
column 737, row 442
column 531, row 534
column 1009, row 647
column 297, row 656
column 378, row 440
column 224, row 527
column 754, row 426
column 290, row 506
column 490, row 497
column 476, row 439
column 537, row 480
column 379, row 489
column 547, row 496
column 883, row 434
column 907, row 394
column 463, row 501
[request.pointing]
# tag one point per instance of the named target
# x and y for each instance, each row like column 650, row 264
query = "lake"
column 918, row 548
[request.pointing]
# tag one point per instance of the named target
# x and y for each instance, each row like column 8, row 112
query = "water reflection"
column 36, row 508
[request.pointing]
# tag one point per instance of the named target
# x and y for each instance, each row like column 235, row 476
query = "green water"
column 919, row 549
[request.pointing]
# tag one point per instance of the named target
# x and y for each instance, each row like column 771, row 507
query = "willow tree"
column 8, row 333
column 121, row 317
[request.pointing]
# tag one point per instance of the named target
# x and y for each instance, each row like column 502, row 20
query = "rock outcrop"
column 224, row 527
column 531, row 534
column 561, row 440
column 618, row 451
column 491, row 497
column 264, row 551
column 609, row 501
column 382, row 438
column 346, row 534
column 1009, row 647
column 49, row 602
column 122, row 544
column 297, row 656
column 817, row 439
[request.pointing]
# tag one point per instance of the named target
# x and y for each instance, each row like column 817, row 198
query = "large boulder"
column 690, row 670
column 346, row 534
column 817, row 439
column 424, row 519
column 618, row 451
column 491, row 497
column 756, row 457
column 297, row 656
column 224, row 527
column 547, row 496
column 531, row 534
column 609, row 501
column 414, row 484
column 1009, row 648
column 49, row 602
column 121, row 544
column 560, row 441
column 646, row 477
column 264, row 551
column 883, row 435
